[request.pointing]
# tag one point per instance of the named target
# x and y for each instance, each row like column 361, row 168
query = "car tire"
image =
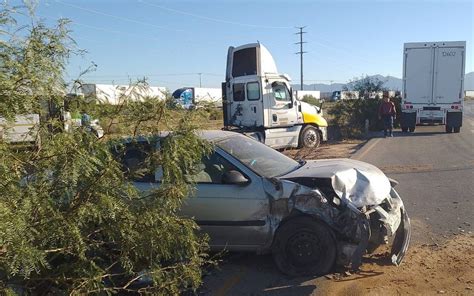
column 449, row 129
column 304, row 246
column 457, row 129
column 405, row 129
column 309, row 137
column 411, row 129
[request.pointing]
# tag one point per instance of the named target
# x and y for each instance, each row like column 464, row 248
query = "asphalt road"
column 436, row 175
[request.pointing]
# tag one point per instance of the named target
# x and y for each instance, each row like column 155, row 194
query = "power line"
column 301, row 52
column 116, row 16
column 211, row 19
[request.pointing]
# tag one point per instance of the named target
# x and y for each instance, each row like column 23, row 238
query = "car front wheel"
column 303, row 246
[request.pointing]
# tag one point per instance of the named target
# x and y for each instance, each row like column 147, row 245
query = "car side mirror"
column 290, row 104
column 234, row 177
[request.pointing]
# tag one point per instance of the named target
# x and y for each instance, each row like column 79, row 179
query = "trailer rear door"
column 418, row 75
column 449, row 73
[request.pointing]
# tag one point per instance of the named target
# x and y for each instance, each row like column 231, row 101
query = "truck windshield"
column 260, row 158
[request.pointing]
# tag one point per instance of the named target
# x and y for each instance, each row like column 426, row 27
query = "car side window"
column 211, row 170
column 239, row 92
column 134, row 163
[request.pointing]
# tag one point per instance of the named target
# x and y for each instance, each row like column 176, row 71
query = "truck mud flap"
column 408, row 119
column 454, row 119
column 402, row 239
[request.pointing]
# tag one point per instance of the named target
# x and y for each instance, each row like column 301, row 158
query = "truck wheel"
column 303, row 246
column 404, row 129
column 457, row 129
column 449, row 129
column 309, row 137
column 411, row 129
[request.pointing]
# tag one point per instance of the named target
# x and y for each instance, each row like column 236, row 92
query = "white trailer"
column 194, row 97
column 433, row 82
column 259, row 102
column 117, row 94
column 469, row 94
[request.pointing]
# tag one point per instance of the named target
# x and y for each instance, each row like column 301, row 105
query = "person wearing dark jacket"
column 387, row 112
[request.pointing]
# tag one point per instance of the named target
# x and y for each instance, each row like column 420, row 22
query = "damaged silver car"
column 311, row 215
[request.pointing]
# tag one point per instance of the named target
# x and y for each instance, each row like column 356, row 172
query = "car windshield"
column 260, row 158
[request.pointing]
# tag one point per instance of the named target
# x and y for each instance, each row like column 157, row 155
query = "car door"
column 234, row 215
column 282, row 110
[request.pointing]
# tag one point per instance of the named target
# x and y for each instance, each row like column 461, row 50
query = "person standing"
column 388, row 113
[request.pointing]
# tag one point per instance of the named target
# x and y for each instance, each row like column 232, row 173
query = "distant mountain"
column 469, row 81
column 390, row 82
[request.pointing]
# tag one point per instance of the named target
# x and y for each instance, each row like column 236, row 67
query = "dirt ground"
column 428, row 269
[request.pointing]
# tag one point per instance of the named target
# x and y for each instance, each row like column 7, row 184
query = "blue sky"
column 170, row 42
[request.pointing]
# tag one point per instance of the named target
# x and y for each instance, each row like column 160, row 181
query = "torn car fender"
column 402, row 238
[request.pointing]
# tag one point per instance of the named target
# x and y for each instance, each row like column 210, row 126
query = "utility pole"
column 200, row 80
column 301, row 52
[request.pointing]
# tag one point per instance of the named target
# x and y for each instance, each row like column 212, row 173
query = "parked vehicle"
column 23, row 129
column 193, row 97
column 344, row 95
column 259, row 102
column 310, row 215
column 433, row 82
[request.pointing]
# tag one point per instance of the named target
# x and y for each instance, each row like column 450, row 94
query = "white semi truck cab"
column 433, row 82
column 259, row 102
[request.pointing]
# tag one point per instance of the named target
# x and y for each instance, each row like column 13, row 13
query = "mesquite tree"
column 70, row 221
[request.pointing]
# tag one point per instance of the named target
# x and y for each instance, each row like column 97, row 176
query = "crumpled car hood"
column 358, row 182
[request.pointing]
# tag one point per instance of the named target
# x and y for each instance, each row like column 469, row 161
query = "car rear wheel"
column 303, row 246
column 457, row 129
column 309, row 137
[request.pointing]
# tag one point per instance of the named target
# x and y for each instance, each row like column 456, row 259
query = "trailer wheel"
column 404, row 129
column 309, row 137
column 457, row 129
column 411, row 129
column 303, row 246
column 449, row 129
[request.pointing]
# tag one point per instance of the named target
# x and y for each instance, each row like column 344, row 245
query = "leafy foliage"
column 350, row 115
column 366, row 86
column 70, row 221
column 310, row 100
